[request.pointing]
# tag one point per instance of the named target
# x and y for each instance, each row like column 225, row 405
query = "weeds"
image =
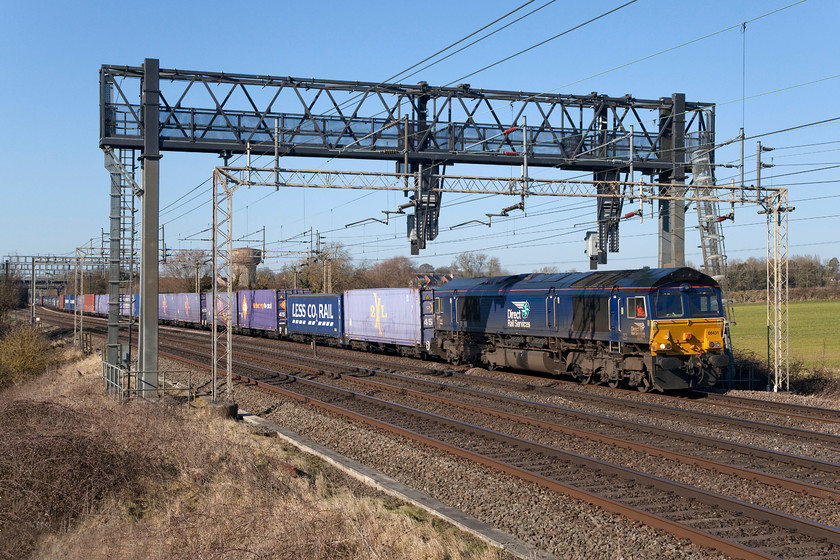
column 54, row 467
column 815, row 381
column 84, row 478
column 24, row 353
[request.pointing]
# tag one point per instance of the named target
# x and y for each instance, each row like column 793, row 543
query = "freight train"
column 660, row 329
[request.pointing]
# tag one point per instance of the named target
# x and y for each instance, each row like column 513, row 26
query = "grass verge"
column 83, row 477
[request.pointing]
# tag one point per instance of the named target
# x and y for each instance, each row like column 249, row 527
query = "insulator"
column 511, row 129
column 510, row 153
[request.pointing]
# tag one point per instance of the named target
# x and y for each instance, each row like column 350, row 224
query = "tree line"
column 332, row 269
column 803, row 272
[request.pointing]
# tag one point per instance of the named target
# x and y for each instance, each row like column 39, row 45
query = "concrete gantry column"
column 672, row 210
column 150, row 220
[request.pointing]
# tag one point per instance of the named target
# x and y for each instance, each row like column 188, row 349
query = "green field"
column 814, row 330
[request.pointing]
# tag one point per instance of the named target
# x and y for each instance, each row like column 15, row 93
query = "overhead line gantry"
column 421, row 128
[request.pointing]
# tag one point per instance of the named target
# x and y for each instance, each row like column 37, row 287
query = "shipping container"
column 387, row 315
column 259, row 310
column 89, row 305
column 166, row 307
column 187, row 308
column 101, row 305
column 61, row 301
column 221, row 308
column 127, row 301
column 70, row 302
column 315, row 314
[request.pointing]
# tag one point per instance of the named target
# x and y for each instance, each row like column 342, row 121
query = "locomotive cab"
column 687, row 334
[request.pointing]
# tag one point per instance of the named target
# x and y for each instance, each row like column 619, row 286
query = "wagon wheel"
column 584, row 378
column 614, row 383
column 644, row 386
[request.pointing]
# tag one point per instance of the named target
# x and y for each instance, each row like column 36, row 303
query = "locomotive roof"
column 638, row 278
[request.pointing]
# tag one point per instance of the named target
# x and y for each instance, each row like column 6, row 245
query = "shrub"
column 24, row 353
column 816, row 381
column 54, row 467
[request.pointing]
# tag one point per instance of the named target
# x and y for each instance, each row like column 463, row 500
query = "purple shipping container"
column 167, row 307
column 126, row 305
column 389, row 315
column 101, row 304
column 187, row 308
column 315, row 314
column 258, row 309
column 221, row 308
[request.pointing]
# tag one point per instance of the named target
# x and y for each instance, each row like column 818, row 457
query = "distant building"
column 431, row 280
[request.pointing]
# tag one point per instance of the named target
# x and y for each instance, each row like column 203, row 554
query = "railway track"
column 801, row 412
column 737, row 528
column 800, row 474
column 734, row 527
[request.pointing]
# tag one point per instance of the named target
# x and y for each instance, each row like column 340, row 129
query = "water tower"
column 244, row 266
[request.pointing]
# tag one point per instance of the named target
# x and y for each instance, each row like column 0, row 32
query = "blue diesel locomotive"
column 649, row 328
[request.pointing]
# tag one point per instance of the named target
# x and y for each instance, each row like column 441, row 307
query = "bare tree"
column 11, row 295
column 473, row 265
column 549, row 270
column 331, row 269
column 183, row 266
column 396, row 272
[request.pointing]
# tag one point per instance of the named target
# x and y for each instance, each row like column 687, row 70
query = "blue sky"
column 782, row 72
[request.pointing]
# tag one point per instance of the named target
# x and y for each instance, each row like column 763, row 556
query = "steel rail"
column 814, row 465
column 719, row 421
column 816, row 530
column 802, row 412
column 751, row 474
column 780, row 520
column 716, row 443
column 591, row 417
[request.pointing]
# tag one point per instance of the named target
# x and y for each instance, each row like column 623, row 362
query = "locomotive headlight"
column 664, row 346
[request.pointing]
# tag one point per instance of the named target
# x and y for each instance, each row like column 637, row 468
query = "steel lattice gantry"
column 421, row 128
column 55, row 272
column 771, row 201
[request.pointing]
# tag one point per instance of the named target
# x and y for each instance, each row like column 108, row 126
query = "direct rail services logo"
column 517, row 318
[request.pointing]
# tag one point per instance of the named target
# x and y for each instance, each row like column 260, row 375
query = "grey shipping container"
column 387, row 315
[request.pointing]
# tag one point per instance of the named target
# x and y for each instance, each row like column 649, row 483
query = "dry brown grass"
column 86, row 478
